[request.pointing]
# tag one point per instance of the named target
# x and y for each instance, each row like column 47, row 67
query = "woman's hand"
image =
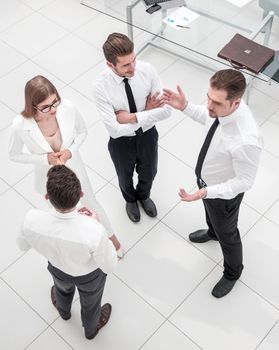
column 53, row 158
column 64, row 156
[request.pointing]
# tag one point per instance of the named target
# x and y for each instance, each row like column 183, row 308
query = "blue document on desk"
column 181, row 18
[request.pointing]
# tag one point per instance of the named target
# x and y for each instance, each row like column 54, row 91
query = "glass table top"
column 217, row 22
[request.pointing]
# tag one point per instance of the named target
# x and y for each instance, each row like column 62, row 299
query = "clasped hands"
column 59, row 158
column 152, row 102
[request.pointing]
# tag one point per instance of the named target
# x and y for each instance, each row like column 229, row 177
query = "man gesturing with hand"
column 226, row 165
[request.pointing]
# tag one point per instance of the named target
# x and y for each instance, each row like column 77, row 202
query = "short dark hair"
column 63, row 187
column 230, row 80
column 117, row 45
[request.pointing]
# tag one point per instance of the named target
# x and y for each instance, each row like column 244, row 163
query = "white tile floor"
column 161, row 290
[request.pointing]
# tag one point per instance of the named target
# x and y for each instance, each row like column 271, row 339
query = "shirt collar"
column 232, row 117
column 117, row 78
column 60, row 215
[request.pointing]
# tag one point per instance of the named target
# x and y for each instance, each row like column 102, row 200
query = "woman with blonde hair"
column 52, row 130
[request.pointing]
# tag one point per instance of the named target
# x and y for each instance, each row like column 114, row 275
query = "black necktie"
column 131, row 101
column 204, row 149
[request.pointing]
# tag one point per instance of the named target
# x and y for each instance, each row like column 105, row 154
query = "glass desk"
column 198, row 44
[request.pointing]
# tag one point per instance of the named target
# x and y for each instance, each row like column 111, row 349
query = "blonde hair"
column 36, row 91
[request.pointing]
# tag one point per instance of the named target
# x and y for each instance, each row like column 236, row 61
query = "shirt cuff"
column 142, row 118
column 212, row 192
column 222, row 191
column 189, row 109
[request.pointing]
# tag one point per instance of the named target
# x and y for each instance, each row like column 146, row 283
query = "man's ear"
column 46, row 196
column 237, row 102
column 110, row 65
column 81, row 194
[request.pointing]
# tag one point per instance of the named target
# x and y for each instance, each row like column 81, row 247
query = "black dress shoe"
column 201, row 236
column 133, row 212
column 149, row 207
column 223, row 287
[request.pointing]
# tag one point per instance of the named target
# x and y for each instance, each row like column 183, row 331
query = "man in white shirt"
column 127, row 97
column 226, row 166
column 78, row 250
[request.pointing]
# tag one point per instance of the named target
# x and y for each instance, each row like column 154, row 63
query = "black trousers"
column 138, row 153
column 90, row 288
column 222, row 219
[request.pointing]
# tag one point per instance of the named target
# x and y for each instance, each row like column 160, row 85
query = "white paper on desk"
column 239, row 3
column 180, row 17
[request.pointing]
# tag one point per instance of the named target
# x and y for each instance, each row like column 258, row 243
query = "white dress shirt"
column 110, row 97
column 232, row 159
column 76, row 244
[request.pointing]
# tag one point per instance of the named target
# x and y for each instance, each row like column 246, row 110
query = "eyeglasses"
column 47, row 108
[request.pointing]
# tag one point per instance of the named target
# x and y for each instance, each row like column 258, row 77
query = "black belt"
column 132, row 137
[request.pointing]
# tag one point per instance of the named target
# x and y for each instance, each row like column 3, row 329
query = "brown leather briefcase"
column 244, row 53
